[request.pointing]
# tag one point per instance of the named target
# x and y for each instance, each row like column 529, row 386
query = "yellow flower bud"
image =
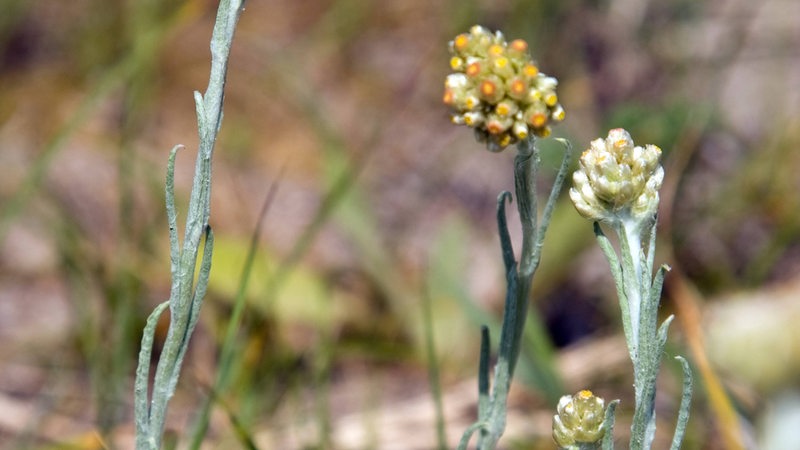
column 460, row 43
column 579, row 420
column 542, row 132
column 536, row 116
column 502, row 66
column 518, row 48
column 457, row 63
column 520, row 130
column 449, row 97
column 498, row 125
column 517, row 88
column 498, row 90
column 473, row 118
column 616, row 180
column 475, row 69
column 506, row 108
column 471, row 101
column 491, row 89
column 496, row 51
column 534, row 98
column 558, row 113
column 530, row 71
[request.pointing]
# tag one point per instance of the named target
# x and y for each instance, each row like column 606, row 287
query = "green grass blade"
column 433, row 370
column 227, row 352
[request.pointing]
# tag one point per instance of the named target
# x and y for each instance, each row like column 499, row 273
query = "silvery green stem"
column 492, row 407
column 639, row 292
column 631, row 234
column 186, row 296
column 617, row 184
column 646, row 354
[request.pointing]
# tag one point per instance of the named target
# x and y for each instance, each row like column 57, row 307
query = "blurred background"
column 379, row 233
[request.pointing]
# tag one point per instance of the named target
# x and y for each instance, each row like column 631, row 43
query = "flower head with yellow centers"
column 498, row 90
column 616, row 180
column 579, row 420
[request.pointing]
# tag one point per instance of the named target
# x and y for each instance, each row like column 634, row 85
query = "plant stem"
column 639, row 291
column 186, row 296
column 519, row 276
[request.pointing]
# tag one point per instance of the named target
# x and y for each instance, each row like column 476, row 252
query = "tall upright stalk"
column 186, row 293
column 519, row 276
column 617, row 184
column 498, row 90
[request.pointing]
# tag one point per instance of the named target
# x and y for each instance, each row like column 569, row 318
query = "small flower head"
column 616, row 180
column 498, row 82
column 579, row 420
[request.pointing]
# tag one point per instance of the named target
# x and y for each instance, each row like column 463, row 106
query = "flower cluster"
column 617, row 181
column 579, row 420
column 498, row 90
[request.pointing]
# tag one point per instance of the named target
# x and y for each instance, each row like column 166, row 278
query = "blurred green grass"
column 380, row 196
